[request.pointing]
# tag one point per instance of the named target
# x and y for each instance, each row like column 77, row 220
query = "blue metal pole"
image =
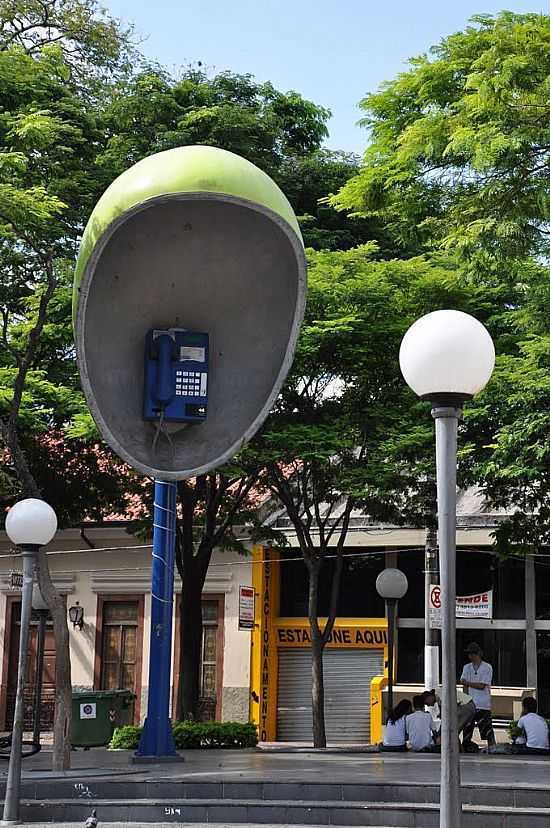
column 157, row 739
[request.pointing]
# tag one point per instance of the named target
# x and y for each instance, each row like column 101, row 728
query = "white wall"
column 83, row 575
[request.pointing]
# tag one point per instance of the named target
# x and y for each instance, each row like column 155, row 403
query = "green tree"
column 507, row 445
column 48, row 181
column 95, row 46
column 308, row 182
column 279, row 132
column 459, row 149
column 346, row 433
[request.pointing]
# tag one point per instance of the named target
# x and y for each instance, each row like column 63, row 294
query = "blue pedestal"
column 157, row 741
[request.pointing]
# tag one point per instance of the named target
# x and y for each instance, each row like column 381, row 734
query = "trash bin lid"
column 95, row 694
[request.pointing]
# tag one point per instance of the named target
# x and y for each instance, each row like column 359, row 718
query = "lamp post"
column 391, row 585
column 447, row 357
column 41, row 607
column 30, row 524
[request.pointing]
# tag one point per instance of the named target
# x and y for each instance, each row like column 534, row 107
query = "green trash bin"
column 96, row 713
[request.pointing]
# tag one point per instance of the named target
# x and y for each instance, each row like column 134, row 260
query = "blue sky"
column 331, row 52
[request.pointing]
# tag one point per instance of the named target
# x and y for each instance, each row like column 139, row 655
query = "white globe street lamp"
column 391, row 585
column 447, row 354
column 30, row 524
column 447, row 357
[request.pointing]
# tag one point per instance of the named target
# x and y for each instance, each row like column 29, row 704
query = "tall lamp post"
column 41, row 607
column 391, row 585
column 447, row 357
column 30, row 524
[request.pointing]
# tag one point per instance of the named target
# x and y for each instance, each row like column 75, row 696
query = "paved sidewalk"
column 315, row 766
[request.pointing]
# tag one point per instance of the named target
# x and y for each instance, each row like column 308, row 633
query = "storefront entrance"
column 347, row 677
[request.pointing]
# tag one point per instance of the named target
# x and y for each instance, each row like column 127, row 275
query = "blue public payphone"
column 176, row 376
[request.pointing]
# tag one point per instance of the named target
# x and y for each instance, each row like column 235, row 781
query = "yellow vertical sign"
column 263, row 660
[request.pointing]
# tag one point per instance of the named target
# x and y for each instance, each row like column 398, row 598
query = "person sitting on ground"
column 465, row 710
column 420, row 727
column 395, row 735
column 535, row 729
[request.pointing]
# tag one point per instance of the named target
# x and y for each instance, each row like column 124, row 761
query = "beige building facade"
column 107, row 572
column 264, row 674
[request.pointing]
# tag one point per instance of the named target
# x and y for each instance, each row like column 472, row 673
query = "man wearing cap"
column 476, row 679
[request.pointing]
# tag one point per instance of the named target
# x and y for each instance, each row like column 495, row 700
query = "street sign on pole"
column 479, row 605
column 246, row 608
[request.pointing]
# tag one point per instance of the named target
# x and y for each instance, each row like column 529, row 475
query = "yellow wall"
column 263, row 660
column 272, row 633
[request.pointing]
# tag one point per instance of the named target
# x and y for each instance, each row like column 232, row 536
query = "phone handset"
column 164, row 344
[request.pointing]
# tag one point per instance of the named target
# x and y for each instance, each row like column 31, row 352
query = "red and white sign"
column 246, row 608
column 479, row 605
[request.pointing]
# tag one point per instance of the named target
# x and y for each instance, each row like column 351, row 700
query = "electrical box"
column 176, row 376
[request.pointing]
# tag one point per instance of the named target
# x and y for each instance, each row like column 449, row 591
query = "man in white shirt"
column 534, row 728
column 476, row 678
column 420, row 727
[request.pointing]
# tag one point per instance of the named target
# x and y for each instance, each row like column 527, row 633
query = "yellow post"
column 376, row 708
column 264, row 657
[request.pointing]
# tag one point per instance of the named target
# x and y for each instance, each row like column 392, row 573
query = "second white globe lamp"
column 31, row 522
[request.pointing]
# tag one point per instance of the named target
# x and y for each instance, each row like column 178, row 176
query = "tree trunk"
column 317, row 683
column 61, row 758
column 317, row 693
column 190, row 645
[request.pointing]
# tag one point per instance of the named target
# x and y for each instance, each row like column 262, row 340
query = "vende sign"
column 479, row 605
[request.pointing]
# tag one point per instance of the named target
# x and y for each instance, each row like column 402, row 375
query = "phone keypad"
column 190, row 383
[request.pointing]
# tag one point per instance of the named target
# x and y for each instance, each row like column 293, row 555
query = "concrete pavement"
column 314, row 766
column 277, row 788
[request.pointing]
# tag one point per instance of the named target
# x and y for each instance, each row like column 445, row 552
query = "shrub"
column 125, row 738
column 188, row 735
column 215, row 735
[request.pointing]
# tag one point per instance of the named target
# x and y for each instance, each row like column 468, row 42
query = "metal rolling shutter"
column 347, row 674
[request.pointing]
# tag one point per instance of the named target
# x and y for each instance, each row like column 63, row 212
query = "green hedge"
column 194, row 735
column 125, row 737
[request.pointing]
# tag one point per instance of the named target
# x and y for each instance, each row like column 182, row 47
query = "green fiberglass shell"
column 201, row 239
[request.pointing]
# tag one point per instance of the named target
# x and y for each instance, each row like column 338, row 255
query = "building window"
column 410, row 656
column 542, row 582
column 120, row 647
column 503, row 649
column 476, row 571
column 209, row 653
column 358, row 596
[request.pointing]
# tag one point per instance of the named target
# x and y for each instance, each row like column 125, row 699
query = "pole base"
column 155, row 760
column 157, row 741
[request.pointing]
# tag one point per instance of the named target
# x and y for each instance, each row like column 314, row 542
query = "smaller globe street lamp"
column 447, row 357
column 391, row 585
column 30, row 524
